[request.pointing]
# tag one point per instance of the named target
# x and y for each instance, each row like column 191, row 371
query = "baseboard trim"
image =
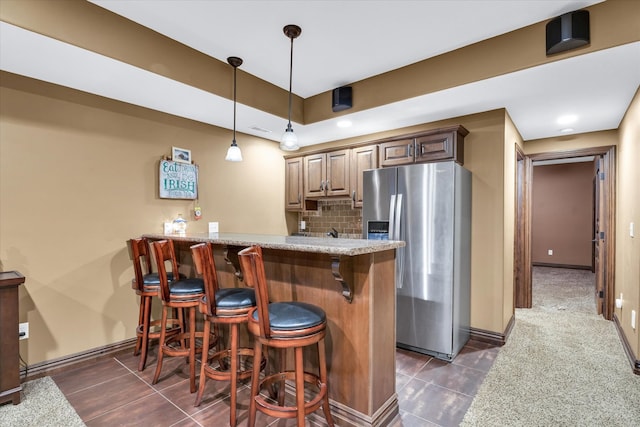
column 635, row 363
column 491, row 337
column 571, row 266
column 50, row 367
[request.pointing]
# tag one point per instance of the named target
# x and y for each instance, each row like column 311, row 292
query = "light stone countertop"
column 326, row 245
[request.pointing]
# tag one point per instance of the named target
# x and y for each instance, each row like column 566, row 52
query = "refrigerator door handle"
column 396, row 236
column 398, row 215
column 392, row 212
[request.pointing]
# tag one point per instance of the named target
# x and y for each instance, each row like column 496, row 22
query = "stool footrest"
column 180, row 350
column 224, row 374
column 275, row 410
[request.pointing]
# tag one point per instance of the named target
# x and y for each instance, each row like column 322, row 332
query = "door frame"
column 523, row 208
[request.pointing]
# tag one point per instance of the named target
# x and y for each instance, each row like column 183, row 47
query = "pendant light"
column 233, row 153
column 289, row 140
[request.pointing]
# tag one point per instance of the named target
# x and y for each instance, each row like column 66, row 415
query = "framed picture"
column 178, row 180
column 181, row 155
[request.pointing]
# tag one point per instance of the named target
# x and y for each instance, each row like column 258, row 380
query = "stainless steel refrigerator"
column 429, row 207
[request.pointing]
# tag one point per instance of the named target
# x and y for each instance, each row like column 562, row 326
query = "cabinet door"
column 337, row 177
column 396, row 153
column 442, row 146
column 315, row 171
column 293, row 184
column 362, row 158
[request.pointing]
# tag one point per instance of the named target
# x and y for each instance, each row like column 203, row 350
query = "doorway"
column 603, row 237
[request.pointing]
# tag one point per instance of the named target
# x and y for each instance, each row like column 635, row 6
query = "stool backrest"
column 252, row 266
column 205, row 267
column 165, row 257
column 140, row 254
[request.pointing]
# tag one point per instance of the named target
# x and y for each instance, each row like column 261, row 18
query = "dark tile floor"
column 112, row 392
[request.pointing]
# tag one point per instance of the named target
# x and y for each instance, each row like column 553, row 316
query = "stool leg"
column 146, row 321
column 322, row 361
column 234, row 342
column 283, row 367
column 163, row 334
column 255, row 382
column 205, row 361
column 300, row 385
column 192, row 349
column 136, row 351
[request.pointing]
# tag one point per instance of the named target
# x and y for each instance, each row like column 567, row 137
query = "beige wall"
column 628, row 211
column 78, row 177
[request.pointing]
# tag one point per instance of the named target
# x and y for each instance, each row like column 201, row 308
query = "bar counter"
column 353, row 281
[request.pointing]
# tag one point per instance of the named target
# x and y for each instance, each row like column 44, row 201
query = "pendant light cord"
column 290, row 79
column 235, row 69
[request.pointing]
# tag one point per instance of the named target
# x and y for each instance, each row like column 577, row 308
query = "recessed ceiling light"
column 567, row 119
column 344, row 123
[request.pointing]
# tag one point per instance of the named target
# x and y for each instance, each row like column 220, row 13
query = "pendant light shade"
column 289, row 140
column 233, row 153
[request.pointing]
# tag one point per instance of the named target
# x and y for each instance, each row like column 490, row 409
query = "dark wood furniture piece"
column 9, row 349
column 284, row 325
column 228, row 306
column 146, row 283
column 180, row 294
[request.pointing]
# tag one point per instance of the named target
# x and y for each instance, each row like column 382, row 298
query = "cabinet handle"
column 321, row 185
column 353, row 195
column 299, row 197
column 326, row 185
column 410, row 149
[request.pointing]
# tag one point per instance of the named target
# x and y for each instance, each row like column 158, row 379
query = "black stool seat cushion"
column 288, row 316
column 230, row 298
column 187, row 286
column 153, row 279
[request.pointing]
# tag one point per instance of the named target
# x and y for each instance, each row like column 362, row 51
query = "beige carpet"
column 42, row 404
column 563, row 365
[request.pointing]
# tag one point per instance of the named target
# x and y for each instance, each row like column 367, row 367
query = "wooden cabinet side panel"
column 293, row 184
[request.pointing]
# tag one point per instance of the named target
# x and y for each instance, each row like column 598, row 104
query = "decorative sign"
column 178, row 180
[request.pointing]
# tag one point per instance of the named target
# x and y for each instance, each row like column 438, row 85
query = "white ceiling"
column 343, row 42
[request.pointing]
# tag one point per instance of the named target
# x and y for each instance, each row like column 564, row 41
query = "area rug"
column 42, row 404
column 562, row 365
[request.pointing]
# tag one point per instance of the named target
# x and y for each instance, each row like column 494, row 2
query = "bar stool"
column 228, row 306
column 146, row 284
column 180, row 294
column 284, row 325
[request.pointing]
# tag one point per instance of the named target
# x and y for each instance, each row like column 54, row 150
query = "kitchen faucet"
column 333, row 233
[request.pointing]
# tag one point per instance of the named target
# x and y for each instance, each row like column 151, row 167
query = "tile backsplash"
column 336, row 214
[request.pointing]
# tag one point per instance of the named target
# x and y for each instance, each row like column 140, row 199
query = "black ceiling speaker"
column 342, row 99
column 568, row 31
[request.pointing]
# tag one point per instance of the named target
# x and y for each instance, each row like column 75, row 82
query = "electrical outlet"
column 23, row 330
column 303, row 225
column 213, row 227
column 633, row 319
column 550, row 252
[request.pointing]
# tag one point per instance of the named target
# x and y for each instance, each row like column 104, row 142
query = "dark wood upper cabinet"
column 437, row 145
column 326, row 174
